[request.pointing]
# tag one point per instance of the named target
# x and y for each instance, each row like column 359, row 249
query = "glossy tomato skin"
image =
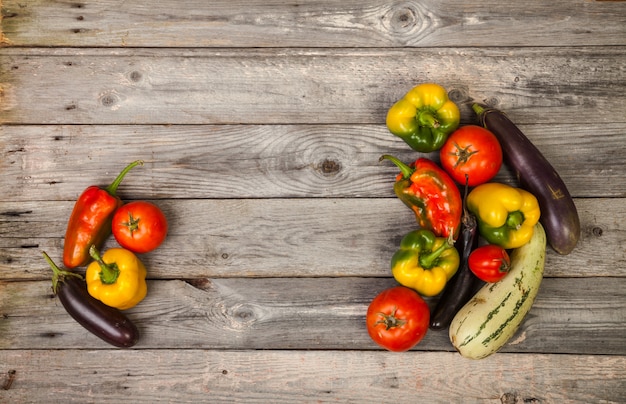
column 407, row 315
column 489, row 263
column 471, row 150
column 139, row 226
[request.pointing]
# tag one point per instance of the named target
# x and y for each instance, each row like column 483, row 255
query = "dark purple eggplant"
column 105, row 322
column 536, row 175
column 464, row 283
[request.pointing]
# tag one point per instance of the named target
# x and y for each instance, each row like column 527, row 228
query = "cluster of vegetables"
column 115, row 280
column 482, row 252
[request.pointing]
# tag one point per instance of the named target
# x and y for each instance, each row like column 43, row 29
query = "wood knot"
column 110, row 100
column 458, row 95
column 514, row 398
column 492, row 102
column 135, row 76
column 328, row 167
column 403, row 19
column 408, row 20
column 244, row 315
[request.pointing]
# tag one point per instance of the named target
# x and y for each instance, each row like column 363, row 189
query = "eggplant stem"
column 59, row 274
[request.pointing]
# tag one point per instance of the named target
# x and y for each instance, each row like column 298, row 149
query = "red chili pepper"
column 90, row 221
column 431, row 194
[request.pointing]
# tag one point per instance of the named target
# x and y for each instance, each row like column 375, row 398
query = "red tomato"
column 489, row 263
column 398, row 318
column 139, row 226
column 471, row 150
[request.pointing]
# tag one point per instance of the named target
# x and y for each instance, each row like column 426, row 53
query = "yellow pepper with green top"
column 117, row 279
column 424, row 117
column 506, row 215
column 424, row 262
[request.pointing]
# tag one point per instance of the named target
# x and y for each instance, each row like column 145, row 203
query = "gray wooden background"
column 261, row 124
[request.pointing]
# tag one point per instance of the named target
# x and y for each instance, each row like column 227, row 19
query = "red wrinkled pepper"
column 431, row 194
column 90, row 221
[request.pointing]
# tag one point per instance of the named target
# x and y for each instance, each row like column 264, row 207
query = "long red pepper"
column 90, row 221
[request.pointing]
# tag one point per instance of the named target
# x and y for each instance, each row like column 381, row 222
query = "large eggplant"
column 536, row 175
column 108, row 323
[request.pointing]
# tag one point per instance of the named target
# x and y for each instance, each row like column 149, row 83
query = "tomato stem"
column 390, row 320
column 462, row 154
column 505, row 266
column 132, row 224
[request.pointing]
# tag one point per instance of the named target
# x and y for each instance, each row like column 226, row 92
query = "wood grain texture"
column 56, row 162
column 308, row 86
column 191, row 376
column 328, row 314
column 329, row 23
column 261, row 124
column 287, row 237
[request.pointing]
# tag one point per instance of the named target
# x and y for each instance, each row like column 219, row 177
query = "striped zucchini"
column 495, row 313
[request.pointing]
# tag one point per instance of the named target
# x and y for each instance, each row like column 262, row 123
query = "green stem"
column 108, row 272
column 515, row 219
column 478, row 109
column 426, row 118
column 59, row 274
column 390, row 320
column 112, row 189
column 404, row 169
column 462, row 155
column 132, row 225
column 427, row 261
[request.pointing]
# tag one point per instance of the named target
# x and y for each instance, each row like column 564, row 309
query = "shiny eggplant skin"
column 106, row 322
column 536, row 175
column 464, row 283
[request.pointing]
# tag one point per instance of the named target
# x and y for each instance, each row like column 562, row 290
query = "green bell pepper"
column 424, row 117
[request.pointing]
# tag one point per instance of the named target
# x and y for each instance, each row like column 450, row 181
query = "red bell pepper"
column 431, row 194
column 90, row 221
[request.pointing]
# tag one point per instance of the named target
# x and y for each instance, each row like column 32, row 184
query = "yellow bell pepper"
column 424, row 117
column 506, row 215
column 424, row 262
column 117, row 279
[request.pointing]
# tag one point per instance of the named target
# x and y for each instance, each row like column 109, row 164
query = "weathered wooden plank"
column 330, row 23
column 287, row 237
column 192, row 376
column 283, row 86
column 570, row 315
column 56, row 162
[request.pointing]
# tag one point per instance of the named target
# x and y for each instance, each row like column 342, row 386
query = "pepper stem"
column 59, row 274
column 108, row 272
column 427, row 261
column 112, row 189
column 515, row 219
column 426, row 118
column 404, row 169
